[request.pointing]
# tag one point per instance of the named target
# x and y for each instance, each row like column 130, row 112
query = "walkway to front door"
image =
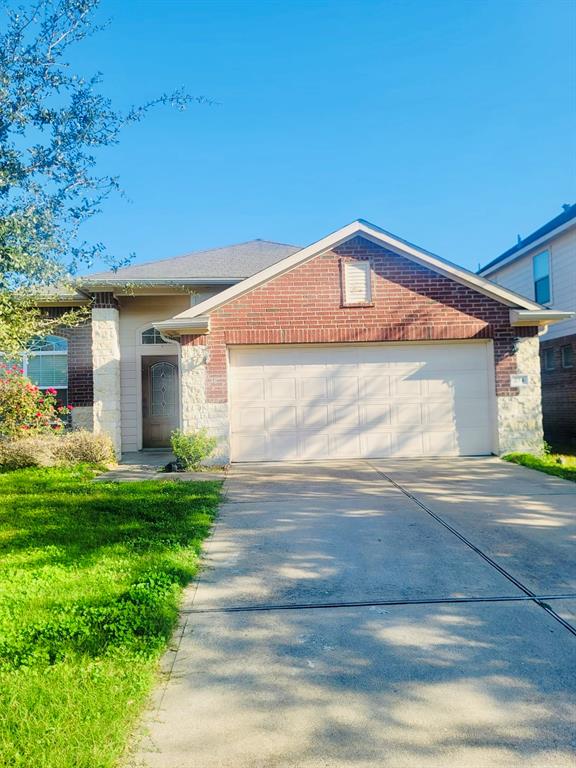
column 383, row 614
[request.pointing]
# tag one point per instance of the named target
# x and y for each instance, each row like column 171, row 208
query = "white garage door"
column 372, row 400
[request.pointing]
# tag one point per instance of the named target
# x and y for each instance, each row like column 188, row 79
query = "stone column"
column 106, row 362
column 520, row 415
column 197, row 413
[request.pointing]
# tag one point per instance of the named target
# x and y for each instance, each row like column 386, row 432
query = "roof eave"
column 542, row 317
column 175, row 327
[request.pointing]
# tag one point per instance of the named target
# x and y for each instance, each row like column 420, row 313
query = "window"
column 567, row 356
column 357, row 288
column 152, row 336
column 541, row 267
column 46, row 363
column 548, row 355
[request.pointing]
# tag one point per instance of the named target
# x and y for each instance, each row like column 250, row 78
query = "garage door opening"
column 318, row 402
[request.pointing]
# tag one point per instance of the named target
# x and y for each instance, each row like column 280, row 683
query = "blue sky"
column 451, row 123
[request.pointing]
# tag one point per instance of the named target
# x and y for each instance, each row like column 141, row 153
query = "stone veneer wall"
column 83, row 417
column 520, row 416
column 106, row 360
column 196, row 412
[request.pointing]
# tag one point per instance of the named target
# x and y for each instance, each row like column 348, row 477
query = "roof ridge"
column 193, row 253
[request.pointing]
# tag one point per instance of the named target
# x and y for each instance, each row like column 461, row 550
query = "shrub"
column 35, row 451
column 191, row 449
column 81, row 447
column 24, row 408
column 84, row 447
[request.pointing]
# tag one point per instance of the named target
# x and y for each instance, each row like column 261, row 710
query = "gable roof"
column 560, row 222
column 376, row 235
column 229, row 263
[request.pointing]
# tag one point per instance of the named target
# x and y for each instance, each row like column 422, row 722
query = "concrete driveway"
column 387, row 614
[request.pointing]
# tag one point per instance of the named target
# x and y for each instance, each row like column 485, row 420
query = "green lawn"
column 90, row 578
column 562, row 465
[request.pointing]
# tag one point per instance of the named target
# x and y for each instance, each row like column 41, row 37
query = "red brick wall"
column 409, row 303
column 559, row 394
column 80, row 379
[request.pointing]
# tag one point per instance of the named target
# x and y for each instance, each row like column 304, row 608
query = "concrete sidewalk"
column 461, row 684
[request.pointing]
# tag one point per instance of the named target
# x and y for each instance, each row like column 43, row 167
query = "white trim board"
column 378, row 236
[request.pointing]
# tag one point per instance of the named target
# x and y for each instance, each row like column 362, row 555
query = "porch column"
column 106, row 364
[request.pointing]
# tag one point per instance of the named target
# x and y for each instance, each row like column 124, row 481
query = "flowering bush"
column 24, row 408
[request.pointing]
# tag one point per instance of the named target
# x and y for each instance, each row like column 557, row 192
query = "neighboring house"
column 542, row 267
column 359, row 345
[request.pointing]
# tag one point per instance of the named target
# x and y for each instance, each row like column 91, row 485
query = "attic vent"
column 357, row 289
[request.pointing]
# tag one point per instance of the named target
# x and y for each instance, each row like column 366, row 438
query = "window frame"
column 547, row 277
column 552, row 352
column 157, row 337
column 563, row 349
column 367, row 265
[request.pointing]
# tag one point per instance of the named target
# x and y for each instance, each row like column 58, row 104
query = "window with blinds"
column 357, row 289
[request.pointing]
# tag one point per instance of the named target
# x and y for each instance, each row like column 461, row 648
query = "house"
column 359, row 345
column 542, row 267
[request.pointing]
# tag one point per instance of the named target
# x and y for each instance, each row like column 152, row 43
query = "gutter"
column 92, row 285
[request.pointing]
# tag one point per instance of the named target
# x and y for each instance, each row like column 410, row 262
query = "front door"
column 159, row 400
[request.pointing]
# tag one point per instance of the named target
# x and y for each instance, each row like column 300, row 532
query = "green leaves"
column 53, row 122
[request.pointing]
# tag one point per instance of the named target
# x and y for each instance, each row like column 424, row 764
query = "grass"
column 561, row 465
column 90, row 580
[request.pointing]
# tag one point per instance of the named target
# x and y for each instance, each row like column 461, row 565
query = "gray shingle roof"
column 231, row 261
column 567, row 215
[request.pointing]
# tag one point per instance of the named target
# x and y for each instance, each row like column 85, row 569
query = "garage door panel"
column 407, row 443
column 355, row 401
column 250, row 446
column 313, row 416
column 280, row 389
column 248, row 390
column 472, row 441
column 440, row 443
column 312, row 390
column 314, row 446
column 375, row 415
column 283, row 446
column 406, row 386
column 440, row 412
column 281, row 417
column 344, row 445
column 342, row 414
column 375, row 387
column 248, row 419
column 375, row 444
column 343, row 387
column 407, row 412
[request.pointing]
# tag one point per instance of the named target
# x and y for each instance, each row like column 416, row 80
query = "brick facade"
column 409, row 303
column 559, row 393
column 80, row 369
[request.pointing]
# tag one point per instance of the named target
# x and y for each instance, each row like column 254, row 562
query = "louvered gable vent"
column 357, row 282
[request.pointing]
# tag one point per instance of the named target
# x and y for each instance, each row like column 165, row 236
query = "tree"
column 53, row 122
